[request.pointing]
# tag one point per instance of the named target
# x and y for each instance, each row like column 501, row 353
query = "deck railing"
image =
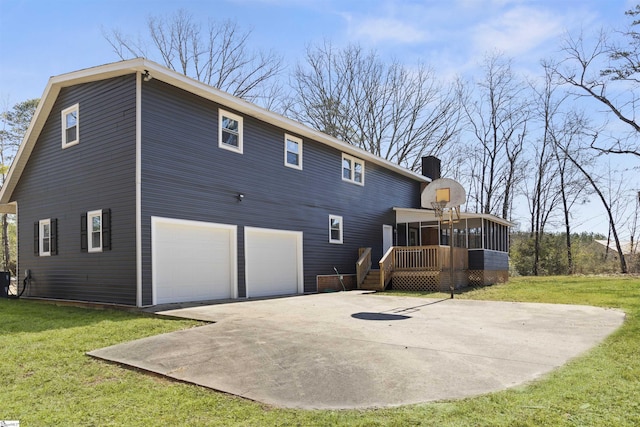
column 417, row 257
column 387, row 264
column 420, row 258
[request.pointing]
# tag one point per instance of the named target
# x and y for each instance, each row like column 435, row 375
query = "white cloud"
column 380, row 30
column 517, row 31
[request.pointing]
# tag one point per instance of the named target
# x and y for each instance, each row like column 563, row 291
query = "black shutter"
column 36, row 238
column 54, row 236
column 83, row 232
column 106, row 229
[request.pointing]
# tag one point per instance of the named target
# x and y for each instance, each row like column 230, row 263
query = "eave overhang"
column 427, row 215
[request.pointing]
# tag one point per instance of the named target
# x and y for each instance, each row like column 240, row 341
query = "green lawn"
column 46, row 379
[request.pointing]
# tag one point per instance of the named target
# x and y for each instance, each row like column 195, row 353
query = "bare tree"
column 543, row 189
column 217, row 54
column 398, row 113
column 14, row 122
column 574, row 156
column 566, row 134
column 542, row 192
column 607, row 71
column 498, row 120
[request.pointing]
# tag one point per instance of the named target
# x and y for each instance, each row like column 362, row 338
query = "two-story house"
column 136, row 185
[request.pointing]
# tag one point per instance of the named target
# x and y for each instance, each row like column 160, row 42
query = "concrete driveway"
column 358, row 350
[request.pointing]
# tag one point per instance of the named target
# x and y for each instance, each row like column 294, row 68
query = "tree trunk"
column 6, row 257
column 567, row 226
column 567, row 222
column 612, row 228
column 536, row 252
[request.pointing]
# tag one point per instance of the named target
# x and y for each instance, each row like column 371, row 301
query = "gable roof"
column 156, row 71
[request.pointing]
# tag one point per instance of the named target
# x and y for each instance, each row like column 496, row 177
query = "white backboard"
column 443, row 190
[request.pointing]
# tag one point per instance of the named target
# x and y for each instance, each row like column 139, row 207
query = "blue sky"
column 42, row 38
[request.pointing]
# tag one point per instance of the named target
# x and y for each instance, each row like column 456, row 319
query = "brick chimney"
column 431, row 167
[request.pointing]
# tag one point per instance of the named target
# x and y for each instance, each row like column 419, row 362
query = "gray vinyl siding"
column 484, row 259
column 186, row 175
column 98, row 173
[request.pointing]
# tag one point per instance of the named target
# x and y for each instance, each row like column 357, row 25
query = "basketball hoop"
column 445, row 194
column 438, row 207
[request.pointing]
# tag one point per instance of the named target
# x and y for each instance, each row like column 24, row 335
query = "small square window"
column 70, row 126
column 352, row 169
column 292, row 152
column 94, row 226
column 335, row 229
column 230, row 131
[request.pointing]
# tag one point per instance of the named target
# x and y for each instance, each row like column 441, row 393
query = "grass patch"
column 46, row 378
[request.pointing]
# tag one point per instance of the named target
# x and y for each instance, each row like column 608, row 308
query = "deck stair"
column 372, row 281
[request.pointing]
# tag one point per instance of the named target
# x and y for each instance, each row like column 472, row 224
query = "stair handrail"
column 363, row 265
column 387, row 264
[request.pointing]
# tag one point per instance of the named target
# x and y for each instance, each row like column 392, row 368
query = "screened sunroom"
column 421, row 256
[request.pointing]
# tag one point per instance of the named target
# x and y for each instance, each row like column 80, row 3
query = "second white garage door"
column 273, row 262
column 192, row 260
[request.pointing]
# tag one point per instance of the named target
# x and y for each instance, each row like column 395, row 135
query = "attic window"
column 70, row 126
column 292, row 152
column 230, row 131
column 352, row 169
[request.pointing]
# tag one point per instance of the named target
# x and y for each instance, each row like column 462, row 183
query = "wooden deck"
column 417, row 268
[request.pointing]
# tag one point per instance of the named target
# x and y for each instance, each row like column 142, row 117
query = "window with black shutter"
column 95, row 231
column 45, row 237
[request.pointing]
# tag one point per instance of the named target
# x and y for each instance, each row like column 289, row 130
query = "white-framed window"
column 45, row 237
column 95, row 231
column 70, row 126
column 352, row 169
column 335, row 229
column 94, row 228
column 230, row 131
column 292, row 152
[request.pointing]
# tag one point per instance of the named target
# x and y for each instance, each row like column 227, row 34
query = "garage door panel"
column 273, row 262
column 193, row 261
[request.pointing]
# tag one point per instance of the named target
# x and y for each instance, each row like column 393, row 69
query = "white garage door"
column 273, row 262
column 192, row 260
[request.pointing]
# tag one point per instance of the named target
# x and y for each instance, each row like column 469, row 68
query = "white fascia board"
column 416, row 215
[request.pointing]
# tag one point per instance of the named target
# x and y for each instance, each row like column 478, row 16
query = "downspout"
column 138, row 182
